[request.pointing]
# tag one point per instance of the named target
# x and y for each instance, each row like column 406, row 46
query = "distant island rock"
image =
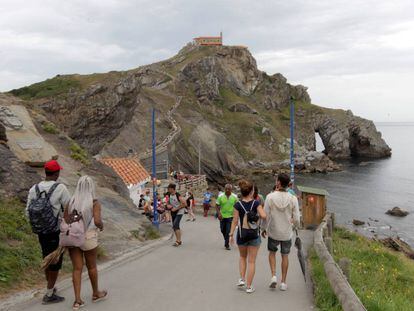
column 397, row 212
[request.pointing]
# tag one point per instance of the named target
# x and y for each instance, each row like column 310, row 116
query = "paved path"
column 200, row 275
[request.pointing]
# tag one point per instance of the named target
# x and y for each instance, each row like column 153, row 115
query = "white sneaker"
column 273, row 282
column 250, row 290
column 283, row 286
column 241, row 283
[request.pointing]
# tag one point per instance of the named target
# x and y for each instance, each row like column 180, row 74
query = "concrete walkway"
column 200, row 275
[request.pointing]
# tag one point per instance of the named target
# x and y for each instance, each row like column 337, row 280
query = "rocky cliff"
column 212, row 98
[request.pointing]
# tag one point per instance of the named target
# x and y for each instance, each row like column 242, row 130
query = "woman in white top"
column 85, row 203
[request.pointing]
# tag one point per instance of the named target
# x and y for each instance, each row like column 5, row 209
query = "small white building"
column 132, row 173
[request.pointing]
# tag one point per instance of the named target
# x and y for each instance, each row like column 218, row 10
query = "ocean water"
column 366, row 189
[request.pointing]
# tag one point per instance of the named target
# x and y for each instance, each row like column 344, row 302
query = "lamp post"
column 154, row 173
column 292, row 140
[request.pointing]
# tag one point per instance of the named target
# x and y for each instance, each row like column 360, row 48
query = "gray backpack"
column 41, row 216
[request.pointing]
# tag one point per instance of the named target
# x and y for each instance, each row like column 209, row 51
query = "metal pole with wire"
column 292, row 141
column 154, row 173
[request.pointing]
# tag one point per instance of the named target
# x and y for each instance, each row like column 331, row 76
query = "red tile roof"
column 129, row 169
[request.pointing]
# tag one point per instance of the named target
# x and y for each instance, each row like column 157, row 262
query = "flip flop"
column 78, row 305
column 176, row 244
column 97, row 299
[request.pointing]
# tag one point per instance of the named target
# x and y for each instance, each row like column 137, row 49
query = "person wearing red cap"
column 45, row 221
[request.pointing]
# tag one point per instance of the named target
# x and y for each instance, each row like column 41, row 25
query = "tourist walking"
column 176, row 205
column 257, row 196
column 247, row 213
column 207, row 196
column 225, row 206
column 45, row 205
column 85, row 204
column 282, row 210
column 190, row 202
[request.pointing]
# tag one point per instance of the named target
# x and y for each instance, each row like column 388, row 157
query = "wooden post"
column 330, row 227
column 345, row 265
column 329, row 244
column 333, row 220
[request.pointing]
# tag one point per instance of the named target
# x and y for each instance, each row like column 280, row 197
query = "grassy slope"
column 62, row 84
column 19, row 250
column 20, row 254
column 381, row 278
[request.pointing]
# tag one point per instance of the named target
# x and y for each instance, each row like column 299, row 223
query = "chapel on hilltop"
column 209, row 41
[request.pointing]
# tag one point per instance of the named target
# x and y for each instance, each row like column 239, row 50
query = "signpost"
column 154, row 173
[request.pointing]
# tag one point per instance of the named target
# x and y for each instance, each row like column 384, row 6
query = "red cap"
column 53, row 166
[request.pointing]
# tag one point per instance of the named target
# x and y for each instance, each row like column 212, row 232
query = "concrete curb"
column 339, row 284
column 121, row 259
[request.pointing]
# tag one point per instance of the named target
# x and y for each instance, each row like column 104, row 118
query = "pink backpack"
column 72, row 234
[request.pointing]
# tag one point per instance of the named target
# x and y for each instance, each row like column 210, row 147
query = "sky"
column 352, row 54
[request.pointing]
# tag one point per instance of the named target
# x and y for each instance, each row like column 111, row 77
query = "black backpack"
column 41, row 216
column 248, row 228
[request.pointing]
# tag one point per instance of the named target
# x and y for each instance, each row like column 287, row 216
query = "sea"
column 366, row 189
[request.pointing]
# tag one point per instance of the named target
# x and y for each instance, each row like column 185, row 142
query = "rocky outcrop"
column 23, row 137
column 16, row 178
column 241, row 107
column 97, row 115
column 348, row 136
column 237, row 113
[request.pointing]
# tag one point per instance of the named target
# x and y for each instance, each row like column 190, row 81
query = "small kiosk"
column 313, row 206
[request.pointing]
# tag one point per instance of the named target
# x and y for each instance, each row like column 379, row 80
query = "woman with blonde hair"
column 84, row 203
column 246, row 215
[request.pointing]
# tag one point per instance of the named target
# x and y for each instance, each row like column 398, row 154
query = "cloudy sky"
column 351, row 54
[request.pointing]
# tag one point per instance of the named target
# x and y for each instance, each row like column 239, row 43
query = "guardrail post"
column 330, row 228
column 329, row 244
column 345, row 265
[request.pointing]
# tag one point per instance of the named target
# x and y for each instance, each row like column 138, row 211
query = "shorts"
column 176, row 220
column 254, row 242
column 272, row 246
column 49, row 243
column 206, row 206
column 91, row 240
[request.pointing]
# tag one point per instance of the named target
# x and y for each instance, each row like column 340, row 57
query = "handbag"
column 72, row 233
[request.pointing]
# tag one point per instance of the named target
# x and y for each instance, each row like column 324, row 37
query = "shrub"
column 49, row 127
column 78, row 153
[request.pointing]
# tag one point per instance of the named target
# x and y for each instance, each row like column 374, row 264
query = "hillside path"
column 200, row 275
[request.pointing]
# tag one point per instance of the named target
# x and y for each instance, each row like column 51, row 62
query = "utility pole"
column 292, row 140
column 154, row 172
column 199, row 157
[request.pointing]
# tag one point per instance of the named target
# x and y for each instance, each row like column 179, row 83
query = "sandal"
column 77, row 305
column 176, row 244
column 99, row 298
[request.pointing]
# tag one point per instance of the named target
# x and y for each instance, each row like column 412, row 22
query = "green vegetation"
column 101, row 253
column 51, row 87
column 325, row 298
column 78, row 153
column 380, row 277
column 20, row 254
column 151, row 233
column 50, row 128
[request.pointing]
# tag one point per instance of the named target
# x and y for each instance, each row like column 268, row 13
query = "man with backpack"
column 282, row 210
column 45, row 206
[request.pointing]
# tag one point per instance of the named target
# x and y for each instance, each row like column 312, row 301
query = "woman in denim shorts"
column 248, row 248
